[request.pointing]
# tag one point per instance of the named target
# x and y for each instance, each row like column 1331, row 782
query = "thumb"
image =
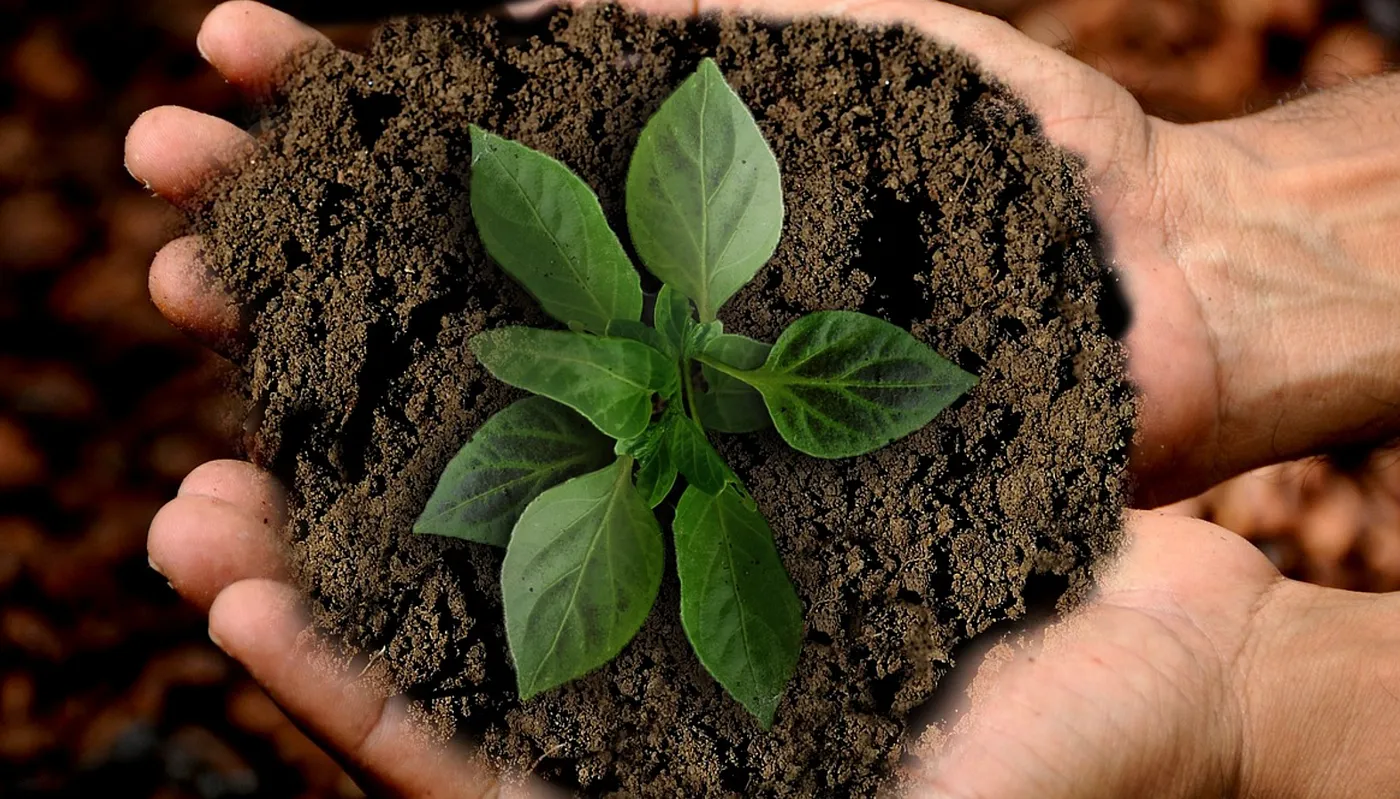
column 261, row 623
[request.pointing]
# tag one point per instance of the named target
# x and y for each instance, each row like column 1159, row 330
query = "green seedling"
column 567, row 480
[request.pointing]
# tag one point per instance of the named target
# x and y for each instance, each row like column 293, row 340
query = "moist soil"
column 917, row 189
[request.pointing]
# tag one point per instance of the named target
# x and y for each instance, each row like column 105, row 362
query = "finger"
column 251, row 44
column 175, row 152
column 222, row 527
column 260, row 623
column 191, row 296
column 527, row 9
column 241, row 484
column 202, row 545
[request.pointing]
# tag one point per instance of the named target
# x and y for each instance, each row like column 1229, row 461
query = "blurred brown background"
column 106, row 681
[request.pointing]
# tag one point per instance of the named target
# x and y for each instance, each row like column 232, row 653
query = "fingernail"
column 524, row 10
column 127, row 166
column 157, row 569
column 217, row 642
column 199, row 45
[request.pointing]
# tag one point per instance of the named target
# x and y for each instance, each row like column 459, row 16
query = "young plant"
column 566, row 481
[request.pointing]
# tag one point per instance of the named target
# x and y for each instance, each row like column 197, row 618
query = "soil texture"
column 917, row 189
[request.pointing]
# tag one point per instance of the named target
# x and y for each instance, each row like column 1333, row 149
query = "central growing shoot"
column 567, row 480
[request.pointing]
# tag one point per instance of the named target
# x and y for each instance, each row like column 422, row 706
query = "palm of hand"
column 1164, row 648
column 1159, row 660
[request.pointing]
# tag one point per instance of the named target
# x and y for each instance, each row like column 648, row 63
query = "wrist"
column 1322, row 696
column 1290, row 260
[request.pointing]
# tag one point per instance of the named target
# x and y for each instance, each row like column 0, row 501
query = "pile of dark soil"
column 917, row 190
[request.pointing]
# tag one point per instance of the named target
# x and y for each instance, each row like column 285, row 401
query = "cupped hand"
column 1177, row 679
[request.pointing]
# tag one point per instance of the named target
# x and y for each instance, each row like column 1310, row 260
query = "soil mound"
column 917, row 190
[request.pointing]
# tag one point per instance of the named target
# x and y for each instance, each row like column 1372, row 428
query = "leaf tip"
column 524, row 690
column 969, row 381
column 483, row 141
column 764, row 710
column 480, row 341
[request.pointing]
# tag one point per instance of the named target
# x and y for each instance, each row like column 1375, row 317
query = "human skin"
column 1254, row 254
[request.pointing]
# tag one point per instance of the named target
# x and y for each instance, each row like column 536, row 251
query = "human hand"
column 1193, row 597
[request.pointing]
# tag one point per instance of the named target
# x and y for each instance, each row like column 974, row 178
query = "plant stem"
column 746, row 376
column 687, row 366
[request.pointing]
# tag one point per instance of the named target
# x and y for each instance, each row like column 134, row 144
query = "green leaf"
column 674, row 319
column 649, row 442
column 738, row 607
column 655, row 479
column 679, row 444
column 700, row 335
column 704, row 198
column 730, row 405
column 579, row 578
column 840, row 383
column 610, row 381
column 530, row 446
column 656, row 474
column 675, row 322
column 545, row 228
column 638, row 331
column 694, row 457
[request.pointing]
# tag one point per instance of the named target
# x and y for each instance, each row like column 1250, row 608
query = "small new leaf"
column 700, row 335
column 673, row 318
column 545, row 228
column 704, row 198
column 695, row 458
column 730, row 405
column 530, row 446
column 656, row 473
column 840, row 384
column 579, row 577
column 610, row 381
column 675, row 443
column 738, row 607
column 638, row 331
column 655, row 479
